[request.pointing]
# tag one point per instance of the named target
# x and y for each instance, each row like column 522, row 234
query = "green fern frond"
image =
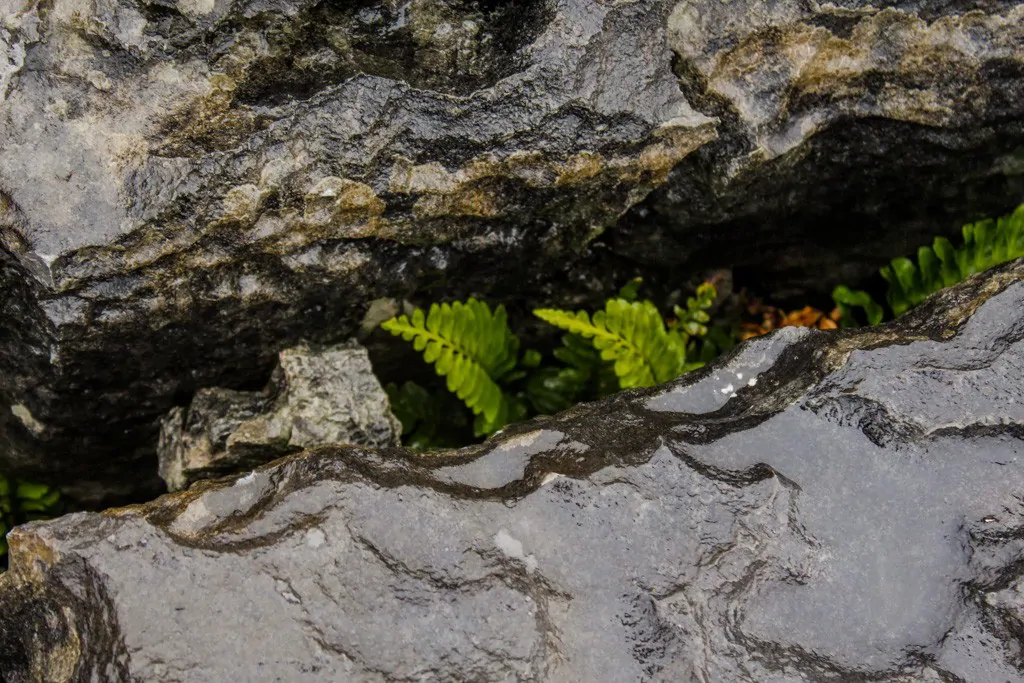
column 986, row 244
column 471, row 347
column 631, row 335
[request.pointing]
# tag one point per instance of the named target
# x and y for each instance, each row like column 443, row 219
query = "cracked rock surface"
column 315, row 397
column 817, row 506
column 187, row 187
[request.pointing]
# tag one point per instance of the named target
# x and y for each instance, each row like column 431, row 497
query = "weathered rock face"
column 849, row 124
column 817, row 507
column 315, row 397
column 188, row 187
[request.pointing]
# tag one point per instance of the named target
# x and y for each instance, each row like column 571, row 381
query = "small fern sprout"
column 693, row 320
column 631, row 290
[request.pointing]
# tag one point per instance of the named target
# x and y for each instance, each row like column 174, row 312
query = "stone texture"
column 818, row 506
column 315, row 397
column 840, row 124
column 188, row 187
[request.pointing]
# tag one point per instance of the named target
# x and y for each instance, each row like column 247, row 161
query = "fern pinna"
column 472, row 348
column 986, row 244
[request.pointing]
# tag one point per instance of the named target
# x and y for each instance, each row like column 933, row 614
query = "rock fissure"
column 191, row 188
column 790, row 547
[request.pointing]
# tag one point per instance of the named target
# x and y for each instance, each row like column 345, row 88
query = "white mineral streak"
column 513, row 548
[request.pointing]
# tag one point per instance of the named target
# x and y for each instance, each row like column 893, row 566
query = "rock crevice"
column 187, row 189
column 765, row 533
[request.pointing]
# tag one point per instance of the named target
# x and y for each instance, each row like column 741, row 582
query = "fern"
column 583, row 376
column 628, row 344
column 693, row 319
column 473, row 349
column 633, row 337
column 847, row 299
column 986, row 244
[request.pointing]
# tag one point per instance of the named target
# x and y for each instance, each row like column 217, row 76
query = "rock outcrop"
column 315, row 397
column 188, row 187
column 818, row 506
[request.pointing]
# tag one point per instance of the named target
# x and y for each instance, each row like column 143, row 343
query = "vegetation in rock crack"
column 24, row 501
column 986, row 244
column 492, row 382
column 473, row 348
column 627, row 344
column 630, row 344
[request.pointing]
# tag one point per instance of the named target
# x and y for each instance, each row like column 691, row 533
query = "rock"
column 315, row 397
column 805, row 92
column 188, row 187
column 818, row 506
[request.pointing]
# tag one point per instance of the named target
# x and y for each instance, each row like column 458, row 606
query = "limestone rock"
column 189, row 186
column 315, row 397
column 818, row 506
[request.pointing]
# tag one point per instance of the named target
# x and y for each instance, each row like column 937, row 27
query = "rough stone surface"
column 818, row 506
column 315, row 397
column 187, row 187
